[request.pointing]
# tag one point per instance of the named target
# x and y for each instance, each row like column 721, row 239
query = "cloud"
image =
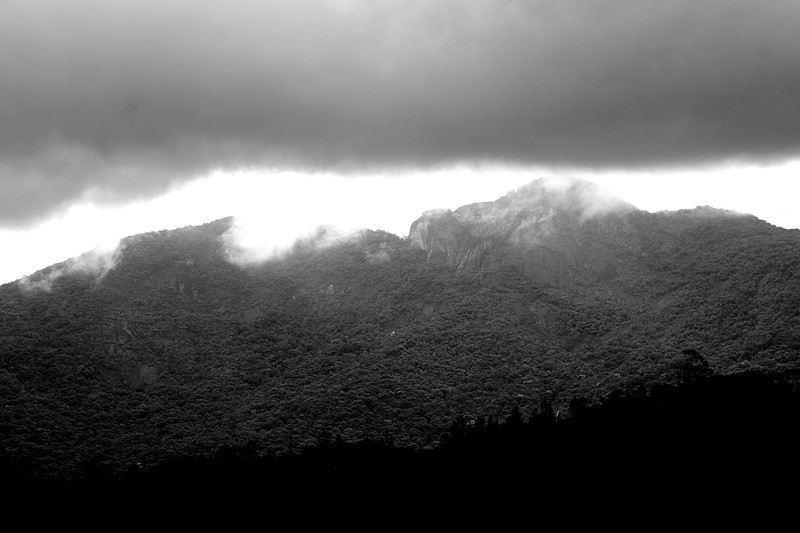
column 244, row 244
column 588, row 198
column 117, row 100
column 96, row 263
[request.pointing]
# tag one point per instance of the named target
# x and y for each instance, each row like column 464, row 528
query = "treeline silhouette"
column 704, row 431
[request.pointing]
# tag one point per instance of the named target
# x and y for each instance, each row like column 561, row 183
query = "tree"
column 692, row 367
column 514, row 420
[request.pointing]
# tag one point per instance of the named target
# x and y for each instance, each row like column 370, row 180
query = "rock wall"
column 550, row 237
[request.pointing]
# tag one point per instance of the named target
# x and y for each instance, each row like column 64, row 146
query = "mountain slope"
column 544, row 295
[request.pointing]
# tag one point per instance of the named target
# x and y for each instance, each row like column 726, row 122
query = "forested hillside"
column 538, row 297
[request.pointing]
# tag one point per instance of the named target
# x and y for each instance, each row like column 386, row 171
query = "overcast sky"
column 109, row 107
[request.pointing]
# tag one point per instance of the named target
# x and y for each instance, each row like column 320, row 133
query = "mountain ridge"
column 534, row 186
column 377, row 337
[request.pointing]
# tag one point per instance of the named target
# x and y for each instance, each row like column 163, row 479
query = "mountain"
column 553, row 233
column 554, row 292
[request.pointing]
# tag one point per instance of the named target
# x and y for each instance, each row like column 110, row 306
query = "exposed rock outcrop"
column 185, row 278
column 116, row 334
column 547, row 230
column 143, row 376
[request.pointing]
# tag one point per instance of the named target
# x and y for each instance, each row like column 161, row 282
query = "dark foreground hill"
column 709, row 438
column 545, row 295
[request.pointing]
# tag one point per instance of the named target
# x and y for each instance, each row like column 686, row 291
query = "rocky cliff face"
column 555, row 232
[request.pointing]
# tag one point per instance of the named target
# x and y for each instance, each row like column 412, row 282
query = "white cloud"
column 273, row 209
column 769, row 192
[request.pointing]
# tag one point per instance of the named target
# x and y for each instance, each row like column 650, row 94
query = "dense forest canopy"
column 538, row 297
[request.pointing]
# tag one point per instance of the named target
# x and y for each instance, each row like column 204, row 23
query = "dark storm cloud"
column 125, row 98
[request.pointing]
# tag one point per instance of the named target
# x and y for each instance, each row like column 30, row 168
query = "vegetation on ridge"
column 176, row 351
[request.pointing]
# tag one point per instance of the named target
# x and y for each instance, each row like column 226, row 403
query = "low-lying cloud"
column 248, row 243
column 114, row 100
column 96, row 263
column 588, row 198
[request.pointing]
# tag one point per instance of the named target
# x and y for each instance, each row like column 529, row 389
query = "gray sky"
column 122, row 100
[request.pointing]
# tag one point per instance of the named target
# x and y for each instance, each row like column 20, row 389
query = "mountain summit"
column 552, row 231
